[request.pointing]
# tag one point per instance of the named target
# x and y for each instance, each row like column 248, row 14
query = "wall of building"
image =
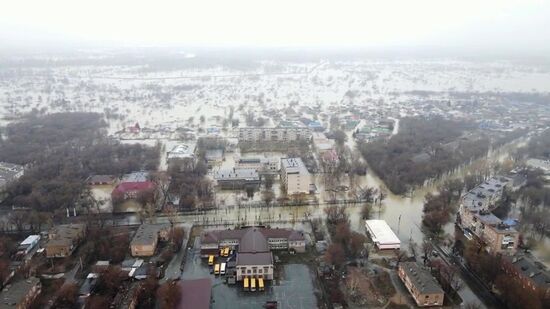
column 144, row 250
column 265, row 271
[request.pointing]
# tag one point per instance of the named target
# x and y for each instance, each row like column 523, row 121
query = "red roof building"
column 195, row 294
column 131, row 190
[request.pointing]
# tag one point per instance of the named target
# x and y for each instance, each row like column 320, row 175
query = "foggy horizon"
column 467, row 28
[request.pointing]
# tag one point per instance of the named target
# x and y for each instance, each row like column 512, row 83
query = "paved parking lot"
column 293, row 289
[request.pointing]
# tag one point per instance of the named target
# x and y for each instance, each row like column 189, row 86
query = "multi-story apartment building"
column 273, row 134
column 476, row 219
column 421, row 285
column 295, row 177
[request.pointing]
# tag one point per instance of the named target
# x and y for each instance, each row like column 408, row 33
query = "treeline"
column 424, row 148
column 60, row 151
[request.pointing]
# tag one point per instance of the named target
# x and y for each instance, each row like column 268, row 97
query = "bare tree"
column 169, row 295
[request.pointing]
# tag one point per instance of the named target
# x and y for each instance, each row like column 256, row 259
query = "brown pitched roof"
column 253, row 241
column 258, row 258
column 217, row 236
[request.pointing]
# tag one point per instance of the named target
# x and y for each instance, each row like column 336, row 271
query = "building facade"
column 274, row 134
column 262, row 165
column 421, row 285
column 295, row 177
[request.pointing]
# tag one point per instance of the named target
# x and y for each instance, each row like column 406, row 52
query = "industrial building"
column 382, row 235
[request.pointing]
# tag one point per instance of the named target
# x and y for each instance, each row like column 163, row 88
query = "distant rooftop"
column 479, row 197
column 531, row 268
column 147, row 234
column 136, row 177
column 236, row 174
column 293, row 165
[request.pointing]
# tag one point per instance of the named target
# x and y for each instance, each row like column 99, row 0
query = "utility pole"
column 398, row 225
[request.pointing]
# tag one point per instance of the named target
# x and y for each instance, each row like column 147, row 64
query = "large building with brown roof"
column 277, row 239
column 254, row 257
column 63, row 239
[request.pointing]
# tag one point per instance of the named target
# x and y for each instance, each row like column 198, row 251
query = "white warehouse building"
column 382, row 235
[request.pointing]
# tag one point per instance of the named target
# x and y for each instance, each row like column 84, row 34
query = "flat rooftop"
column 293, row 165
column 381, row 232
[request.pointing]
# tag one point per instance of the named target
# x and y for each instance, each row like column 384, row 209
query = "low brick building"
column 63, row 239
column 146, row 239
column 421, row 285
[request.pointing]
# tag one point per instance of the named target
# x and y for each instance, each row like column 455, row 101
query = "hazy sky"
column 517, row 25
